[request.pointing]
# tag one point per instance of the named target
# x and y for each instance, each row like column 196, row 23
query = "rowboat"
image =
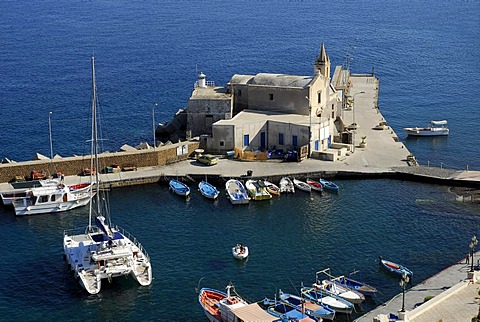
column 236, row 192
column 208, row 190
column 286, row 185
column 436, row 128
column 328, row 185
column 302, row 185
column 179, row 188
column 316, row 310
column 218, row 306
column 315, row 185
column 272, row 188
column 240, row 251
column 257, row 191
column 394, row 268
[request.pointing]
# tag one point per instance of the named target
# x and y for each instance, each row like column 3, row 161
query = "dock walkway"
column 450, row 285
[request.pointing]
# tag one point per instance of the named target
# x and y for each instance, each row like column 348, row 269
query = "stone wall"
column 75, row 165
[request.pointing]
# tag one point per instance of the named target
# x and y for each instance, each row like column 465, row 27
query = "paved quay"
column 456, row 298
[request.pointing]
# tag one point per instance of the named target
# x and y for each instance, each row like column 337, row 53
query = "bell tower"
column 322, row 63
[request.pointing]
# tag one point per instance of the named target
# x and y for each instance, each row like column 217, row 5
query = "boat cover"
column 253, row 312
column 443, row 122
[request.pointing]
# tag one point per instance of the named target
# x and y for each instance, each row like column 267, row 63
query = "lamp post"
column 153, row 125
column 355, row 124
column 473, row 244
column 50, row 132
column 403, row 283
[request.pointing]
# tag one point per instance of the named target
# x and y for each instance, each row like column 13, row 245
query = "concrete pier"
column 455, row 292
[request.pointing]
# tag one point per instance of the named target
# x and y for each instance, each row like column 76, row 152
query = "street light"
column 153, row 124
column 354, row 123
column 403, row 284
column 50, row 131
column 473, row 243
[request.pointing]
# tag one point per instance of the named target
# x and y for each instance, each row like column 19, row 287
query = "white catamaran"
column 103, row 251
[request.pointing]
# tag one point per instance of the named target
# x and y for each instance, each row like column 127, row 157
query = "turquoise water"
column 424, row 52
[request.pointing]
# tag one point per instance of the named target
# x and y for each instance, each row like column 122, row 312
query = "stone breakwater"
column 71, row 166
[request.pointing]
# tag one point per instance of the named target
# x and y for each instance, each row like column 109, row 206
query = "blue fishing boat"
column 208, row 190
column 328, row 185
column 361, row 287
column 395, row 268
column 345, row 282
column 179, row 188
column 316, row 310
column 287, row 312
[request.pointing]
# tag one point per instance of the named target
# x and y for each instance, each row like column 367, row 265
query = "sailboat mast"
column 94, row 148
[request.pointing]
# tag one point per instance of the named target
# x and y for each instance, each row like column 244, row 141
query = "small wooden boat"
column 272, row 188
column 179, row 188
column 302, row 185
column 394, row 268
column 328, row 185
column 316, row 310
column 218, row 305
column 208, row 190
column 436, row 128
column 344, row 292
column 257, row 191
column 286, row 185
column 236, row 192
column 239, row 251
column 315, row 185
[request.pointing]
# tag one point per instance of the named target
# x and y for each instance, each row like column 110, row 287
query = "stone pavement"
column 455, row 298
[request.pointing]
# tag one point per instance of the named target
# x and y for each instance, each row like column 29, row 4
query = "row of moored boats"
column 240, row 193
column 321, row 301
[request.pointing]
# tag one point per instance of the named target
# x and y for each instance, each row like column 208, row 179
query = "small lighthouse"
column 202, row 82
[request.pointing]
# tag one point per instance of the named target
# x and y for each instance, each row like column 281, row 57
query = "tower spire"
column 322, row 62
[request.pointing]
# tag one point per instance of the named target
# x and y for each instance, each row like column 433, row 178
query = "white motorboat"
column 236, row 192
column 21, row 192
column 344, row 292
column 105, row 251
column 240, row 251
column 257, row 191
column 302, row 185
column 286, row 185
column 436, row 128
column 52, row 198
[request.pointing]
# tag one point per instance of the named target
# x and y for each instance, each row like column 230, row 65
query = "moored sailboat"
column 104, row 251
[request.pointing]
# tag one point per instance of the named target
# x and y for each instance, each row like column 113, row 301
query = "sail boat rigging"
column 103, row 251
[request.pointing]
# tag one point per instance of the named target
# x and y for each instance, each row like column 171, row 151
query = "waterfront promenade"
column 455, row 298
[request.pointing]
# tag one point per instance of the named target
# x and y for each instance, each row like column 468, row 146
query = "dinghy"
column 208, row 190
column 179, row 188
column 394, row 268
column 239, row 251
column 302, row 185
column 286, row 185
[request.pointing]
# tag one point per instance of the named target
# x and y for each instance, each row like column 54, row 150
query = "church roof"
column 276, row 80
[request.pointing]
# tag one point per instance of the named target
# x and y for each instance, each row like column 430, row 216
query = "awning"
column 253, row 313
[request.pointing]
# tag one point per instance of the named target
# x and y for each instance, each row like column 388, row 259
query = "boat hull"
column 207, row 190
column 236, row 192
column 179, row 188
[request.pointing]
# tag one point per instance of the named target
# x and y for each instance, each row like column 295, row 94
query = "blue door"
column 294, row 141
column 263, row 140
column 246, row 140
column 316, row 145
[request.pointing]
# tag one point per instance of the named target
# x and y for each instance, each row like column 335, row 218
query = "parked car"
column 207, row 159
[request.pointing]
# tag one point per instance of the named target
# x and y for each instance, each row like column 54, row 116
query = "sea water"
column 147, row 52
